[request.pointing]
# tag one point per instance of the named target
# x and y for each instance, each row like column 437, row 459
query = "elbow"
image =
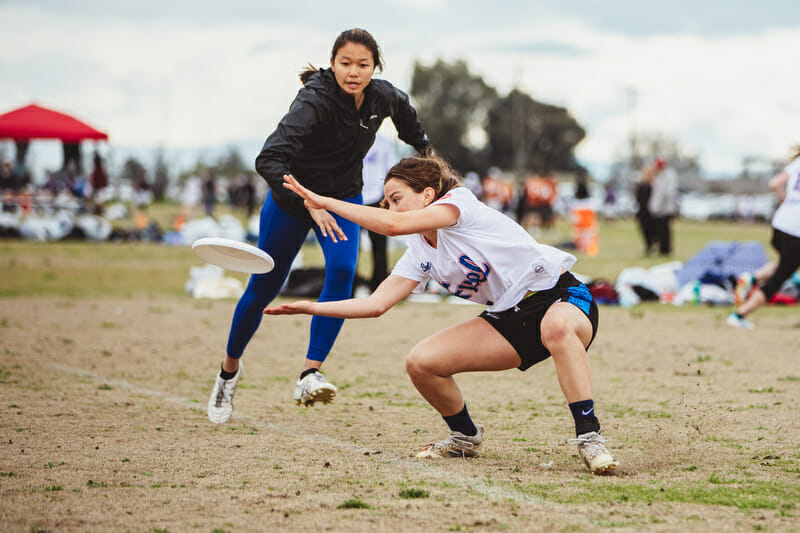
column 392, row 230
column 394, row 226
column 377, row 312
column 261, row 166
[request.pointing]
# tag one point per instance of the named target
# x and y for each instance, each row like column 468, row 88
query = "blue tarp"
column 723, row 259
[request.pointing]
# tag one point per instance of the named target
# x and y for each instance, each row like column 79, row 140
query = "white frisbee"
column 233, row 255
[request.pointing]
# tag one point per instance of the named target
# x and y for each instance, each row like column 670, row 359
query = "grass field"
column 106, row 365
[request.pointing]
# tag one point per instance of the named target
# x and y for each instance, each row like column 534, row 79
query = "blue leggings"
column 281, row 235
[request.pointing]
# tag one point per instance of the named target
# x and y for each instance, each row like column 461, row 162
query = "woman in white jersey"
column 785, row 240
column 536, row 308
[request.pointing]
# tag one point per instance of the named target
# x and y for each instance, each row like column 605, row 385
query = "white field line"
column 411, row 466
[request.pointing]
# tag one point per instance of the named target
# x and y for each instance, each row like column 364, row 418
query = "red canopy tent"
column 36, row 122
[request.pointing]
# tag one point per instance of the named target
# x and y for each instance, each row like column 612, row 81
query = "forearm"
column 374, row 219
column 352, row 308
column 391, row 291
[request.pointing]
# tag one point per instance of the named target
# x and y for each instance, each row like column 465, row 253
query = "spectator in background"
column 642, row 192
column 99, row 179
column 536, row 202
column 497, row 193
column 209, row 194
column 581, row 187
column 609, row 209
column 663, row 203
column 379, row 159
column 6, row 176
column 248, row 193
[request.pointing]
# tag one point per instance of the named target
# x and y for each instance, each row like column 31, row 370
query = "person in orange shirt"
column 539, row 195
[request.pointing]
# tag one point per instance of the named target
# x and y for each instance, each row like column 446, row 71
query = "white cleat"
column 314, row 388
column 456, row 445
column 594, row 453
column 220, row 404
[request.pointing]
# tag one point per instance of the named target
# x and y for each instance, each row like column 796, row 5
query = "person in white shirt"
column 377, row 162
column 785, row 240
column 663, row 204
column 536, row 307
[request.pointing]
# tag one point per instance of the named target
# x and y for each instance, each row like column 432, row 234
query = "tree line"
column 474, row 127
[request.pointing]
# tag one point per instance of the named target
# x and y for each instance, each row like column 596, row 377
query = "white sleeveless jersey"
column 485, row 257
column 787, row 217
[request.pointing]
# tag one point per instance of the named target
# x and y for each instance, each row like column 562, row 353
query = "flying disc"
column 233, row 255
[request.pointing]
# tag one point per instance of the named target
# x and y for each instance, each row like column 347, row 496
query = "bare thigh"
column 470, row 346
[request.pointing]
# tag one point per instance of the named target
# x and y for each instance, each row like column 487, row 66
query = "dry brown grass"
column 103, row 426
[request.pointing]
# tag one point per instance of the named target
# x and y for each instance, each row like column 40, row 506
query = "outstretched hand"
column 301, row 307
column 312, row 199
column 314, row 203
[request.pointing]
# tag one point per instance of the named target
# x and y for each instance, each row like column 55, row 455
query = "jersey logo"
column 473, row 279
column 425, row 266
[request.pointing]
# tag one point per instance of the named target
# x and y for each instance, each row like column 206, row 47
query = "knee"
column 340, row 272
column 418, row 364
column 556, row 331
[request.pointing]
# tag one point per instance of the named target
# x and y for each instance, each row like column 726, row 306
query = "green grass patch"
column 410, row 494
column 354, row 503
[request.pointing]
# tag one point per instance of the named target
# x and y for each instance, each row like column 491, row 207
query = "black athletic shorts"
column 520, row 325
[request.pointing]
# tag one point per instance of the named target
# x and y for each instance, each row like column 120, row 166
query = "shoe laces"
column 314, row 377
column 226, row 390
column 459, row 440
column 590, row 442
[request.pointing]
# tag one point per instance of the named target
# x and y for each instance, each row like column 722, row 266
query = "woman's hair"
column 355, row 35
column 795, row 152
column 421, row 172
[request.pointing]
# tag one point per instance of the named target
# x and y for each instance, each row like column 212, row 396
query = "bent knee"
column 419, row 363
column 341, row 273
column 556, row 330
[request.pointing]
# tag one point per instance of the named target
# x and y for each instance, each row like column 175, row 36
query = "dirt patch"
column 103, row 426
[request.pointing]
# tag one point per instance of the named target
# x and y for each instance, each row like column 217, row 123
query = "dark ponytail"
column 355, row 35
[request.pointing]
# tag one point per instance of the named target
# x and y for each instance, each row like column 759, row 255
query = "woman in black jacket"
column 321, row 141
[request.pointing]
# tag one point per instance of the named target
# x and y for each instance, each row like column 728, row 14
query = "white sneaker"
column 737, row 321
column 314, row 388
column 594, row 453
column 220, row 404
column 456, row 445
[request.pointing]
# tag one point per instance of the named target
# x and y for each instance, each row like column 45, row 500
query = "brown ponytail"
column 421, row 172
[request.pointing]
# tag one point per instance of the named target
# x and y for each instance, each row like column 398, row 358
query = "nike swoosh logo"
column 584, row 413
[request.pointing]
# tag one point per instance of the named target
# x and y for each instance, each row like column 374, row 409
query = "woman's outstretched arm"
column 390, row 292
column 379, row 220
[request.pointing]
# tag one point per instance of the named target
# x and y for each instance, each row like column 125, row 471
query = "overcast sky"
column 720, row 77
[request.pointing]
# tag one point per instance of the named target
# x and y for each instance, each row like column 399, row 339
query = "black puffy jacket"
column 323, row 138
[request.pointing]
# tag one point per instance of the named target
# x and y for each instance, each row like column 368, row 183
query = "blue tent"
column 723, row 259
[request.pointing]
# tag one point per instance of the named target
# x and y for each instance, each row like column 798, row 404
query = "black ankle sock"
column 226, row 375
column 304, row 373
column 736, row 313
column 461, row 422
column 585, row 420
